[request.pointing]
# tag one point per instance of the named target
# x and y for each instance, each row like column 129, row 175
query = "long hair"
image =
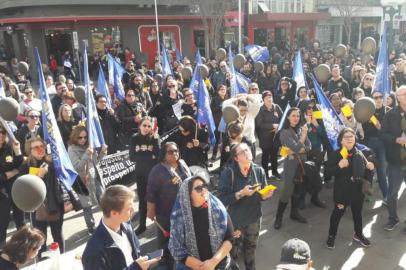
column 60, row 117
column 74, row 136
column 22, row 243
column 286, row 124
column 27, row 148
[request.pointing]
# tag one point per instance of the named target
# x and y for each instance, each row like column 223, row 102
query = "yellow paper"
column 266, row 190
column 33, row 171
column 374, row 120
column 344, row 152
column 284, row 151
column 347, row 111
column 318, row 115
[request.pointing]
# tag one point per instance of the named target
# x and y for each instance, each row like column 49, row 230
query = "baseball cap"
column 295, row 255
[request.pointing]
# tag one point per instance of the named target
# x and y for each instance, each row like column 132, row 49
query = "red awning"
column 278, row 17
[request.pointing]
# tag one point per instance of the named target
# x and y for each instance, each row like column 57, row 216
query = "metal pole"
column 157, row 33
column 239, row 26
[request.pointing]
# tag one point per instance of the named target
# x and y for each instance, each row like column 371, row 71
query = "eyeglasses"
column 377, row 97
column 82, row 138
column 188, row 95
column 62, row 89
column 130, row 95
column 173, row 151
column 38, row 147
column 147, row 126
column 33, row 116
column 199, row 188
column 171, row 86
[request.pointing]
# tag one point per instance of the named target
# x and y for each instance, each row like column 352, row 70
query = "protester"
column 295, row 255
column 216, row 106
column 29, row 130
column 57, row 100
column 114, row 245
column 22, row 247
column 109, row 123
column 65, row 122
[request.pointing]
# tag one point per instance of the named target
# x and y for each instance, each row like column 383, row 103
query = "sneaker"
column 330, row 242
column 362, row 240
column 391, row 225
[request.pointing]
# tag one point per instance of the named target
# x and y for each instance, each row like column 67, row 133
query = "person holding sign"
column 239, row 188
column 294, row 137
column 10, row 159
column 348, row 165
column 373, row 140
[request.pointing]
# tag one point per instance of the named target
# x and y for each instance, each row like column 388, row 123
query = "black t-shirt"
column 6, row 265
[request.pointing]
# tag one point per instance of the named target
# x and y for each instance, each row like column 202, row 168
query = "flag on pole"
column 116, row 72
column 257, row 53
column 94, row 131
column 103, row 88
column 204, row 114
column 166, row 66
column 179, row 56
column 64, row 170
column 194, row 82
column 2, row 91
column 238, row 82
column 331, row 120
column 298, row 72
column 382, row 77
column 283, row 118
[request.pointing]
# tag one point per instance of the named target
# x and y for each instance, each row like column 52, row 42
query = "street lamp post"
column 389, row 8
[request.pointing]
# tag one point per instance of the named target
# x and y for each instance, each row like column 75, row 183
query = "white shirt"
column 123, row 243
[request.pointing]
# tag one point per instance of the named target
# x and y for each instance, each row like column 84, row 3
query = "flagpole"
column 239, row 26
column 157, row 33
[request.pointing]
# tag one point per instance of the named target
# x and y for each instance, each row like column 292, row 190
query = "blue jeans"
column 378, row 147
column 396, row 175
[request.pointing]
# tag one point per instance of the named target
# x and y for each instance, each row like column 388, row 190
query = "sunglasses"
column 377, row 97
column 38, row 147
column 173, row 151
column 33, row 116
column 199, row 189
column 84, row 137
column 171, row 86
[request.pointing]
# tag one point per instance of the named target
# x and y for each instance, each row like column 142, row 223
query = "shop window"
column 105, row 38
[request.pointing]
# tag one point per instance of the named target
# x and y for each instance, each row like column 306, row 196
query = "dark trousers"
column 7, row 204
column 56, row 231
column 142, row 181
column 247, row 244
column 270, row 155
column 167, row 262
column 356, row 209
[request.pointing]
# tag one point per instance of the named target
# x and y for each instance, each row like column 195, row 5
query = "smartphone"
column 255, row 186
column 156, row 254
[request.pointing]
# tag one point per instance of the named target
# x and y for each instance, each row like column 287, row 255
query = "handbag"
column 300, row 172
column 42, row 214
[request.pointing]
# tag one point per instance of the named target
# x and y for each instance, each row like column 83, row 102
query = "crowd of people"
column 198, row 228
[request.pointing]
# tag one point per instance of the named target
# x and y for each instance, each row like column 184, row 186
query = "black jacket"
column 144, row 152
column 264, row 124
column 216, row 107
column 65, row 128
column 111, row 127
column 289, row 97
column 390, row 131
column 125, row 114
column 102, row 253
column 332, row 86
column 8, row 162
column 369, row 129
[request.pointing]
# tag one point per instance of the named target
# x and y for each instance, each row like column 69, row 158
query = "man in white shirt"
column 114, row 245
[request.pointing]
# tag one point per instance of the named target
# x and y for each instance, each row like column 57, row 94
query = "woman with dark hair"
column 14, row 92
column 217, row 111
column 84, row 159
column 349, row 170
column 201, row 230
column 294, row 137
column 391, row 101
column 144, row 150
column 10, row 159
column 163, row 184
column 52, row 210
column 65, row 122
column 285, row 94
column 22, row 247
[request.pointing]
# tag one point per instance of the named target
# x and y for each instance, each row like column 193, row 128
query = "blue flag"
column 179, row 56
column 94, row 131
column 166, row 66
column 103, row 88
column 257, row 53
column 238, row 82
column 116, row 72
column 283, row 117
column 331, row 120
column 194, row 82
column 298, row 72
column 64, row 171
column 204, row 114
column 382, row 77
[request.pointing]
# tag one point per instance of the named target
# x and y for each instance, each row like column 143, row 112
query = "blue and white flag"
column 116, row 72
column 238, row 83
column 179, row 56
column 283, row 118
column 64, row 170
column 194, row 82
column 94, row 131
column 257, row 53
column 103, row 88
column 204, row 114
column 331, row 120
column 2, row 91
column 382, row 77
column 166, row 65
column 298, row 72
